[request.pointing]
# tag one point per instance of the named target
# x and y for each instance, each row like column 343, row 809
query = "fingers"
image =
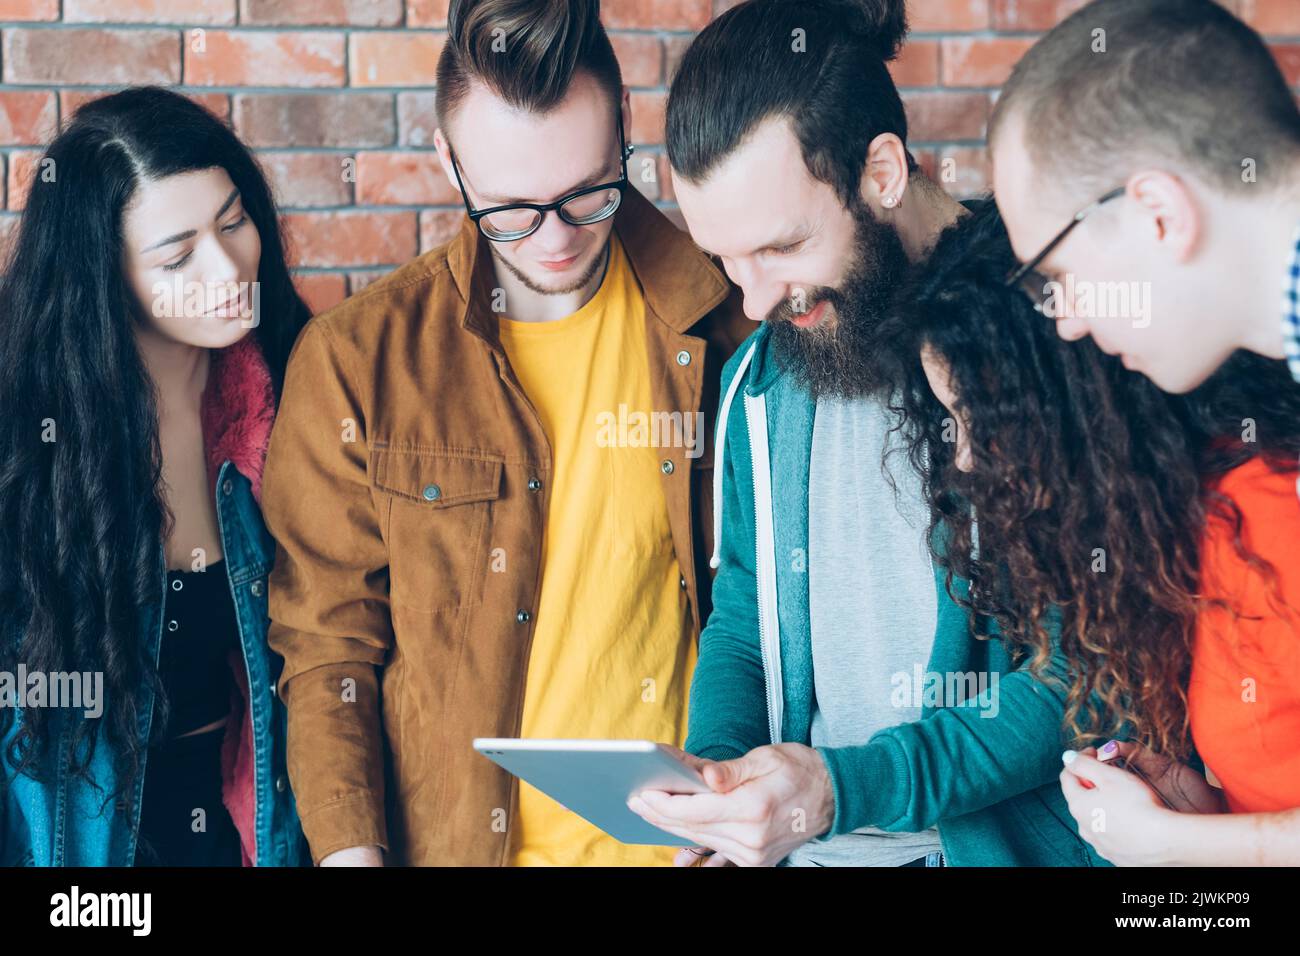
column 1143, row 759
column 1092, row 774
column 723, row 838
column 688, row 808
column 1088, row 768
column 1080, row 801
column 1113, row 749
column 692, row 829
column 692, row 761
column 718, row 842
column 723, row 776
column 1074, row 788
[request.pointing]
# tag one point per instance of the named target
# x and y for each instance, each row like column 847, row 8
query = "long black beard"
column 844, row 360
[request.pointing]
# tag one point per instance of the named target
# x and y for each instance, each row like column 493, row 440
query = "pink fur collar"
column 238, row 411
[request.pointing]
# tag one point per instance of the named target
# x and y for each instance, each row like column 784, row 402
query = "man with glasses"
column 489, row 476
column 1170, row 125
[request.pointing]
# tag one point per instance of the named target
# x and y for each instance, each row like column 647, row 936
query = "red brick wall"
column 310, row 83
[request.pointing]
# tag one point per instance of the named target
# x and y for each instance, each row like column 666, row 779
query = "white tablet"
column 595, row 778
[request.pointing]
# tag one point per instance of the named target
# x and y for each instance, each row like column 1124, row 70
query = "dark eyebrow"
column 230, row 201
column 190, row 233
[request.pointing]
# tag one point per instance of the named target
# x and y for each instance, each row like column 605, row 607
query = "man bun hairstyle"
column 820, row 63
column 1180, row 80
column 880, row 23
column 525, row 51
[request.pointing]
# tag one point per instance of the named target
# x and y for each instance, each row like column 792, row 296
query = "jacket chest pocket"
column 439, row 508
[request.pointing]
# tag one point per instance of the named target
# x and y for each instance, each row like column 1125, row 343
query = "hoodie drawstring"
column 720, row 455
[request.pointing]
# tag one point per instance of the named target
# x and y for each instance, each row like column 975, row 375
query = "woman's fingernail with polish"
column 1067, row 758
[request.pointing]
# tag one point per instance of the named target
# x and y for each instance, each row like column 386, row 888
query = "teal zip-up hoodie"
column 989, row 783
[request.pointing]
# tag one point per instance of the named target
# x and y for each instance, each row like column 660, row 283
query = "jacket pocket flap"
column 434, row 480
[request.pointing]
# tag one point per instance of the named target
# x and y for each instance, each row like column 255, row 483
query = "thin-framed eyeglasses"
column 1033, row 283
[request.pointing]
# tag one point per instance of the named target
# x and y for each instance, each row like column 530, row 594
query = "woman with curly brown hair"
column 1077, row 492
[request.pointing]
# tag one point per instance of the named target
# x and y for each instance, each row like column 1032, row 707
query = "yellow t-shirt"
column 612, row 651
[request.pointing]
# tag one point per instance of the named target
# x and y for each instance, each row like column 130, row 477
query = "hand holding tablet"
column 595, row 778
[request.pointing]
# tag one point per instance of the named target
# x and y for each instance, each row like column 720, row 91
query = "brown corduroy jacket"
column 406, row 470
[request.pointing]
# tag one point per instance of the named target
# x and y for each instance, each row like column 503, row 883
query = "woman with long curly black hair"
column 1077, row 493
column 148, row 317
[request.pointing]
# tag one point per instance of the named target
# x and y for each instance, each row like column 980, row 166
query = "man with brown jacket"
column 489, row 478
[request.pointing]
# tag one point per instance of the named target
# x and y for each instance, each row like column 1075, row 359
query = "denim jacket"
column 61, row 819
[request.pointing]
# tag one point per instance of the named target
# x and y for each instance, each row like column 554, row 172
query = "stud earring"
column 889, row 202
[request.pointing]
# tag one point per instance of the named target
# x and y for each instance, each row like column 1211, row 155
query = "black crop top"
column 199, row 632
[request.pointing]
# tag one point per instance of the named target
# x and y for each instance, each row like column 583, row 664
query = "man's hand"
column 696, row 856
column 762, row 805
column 355, row 856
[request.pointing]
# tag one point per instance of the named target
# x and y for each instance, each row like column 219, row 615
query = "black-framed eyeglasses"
column 1033, row 283
column 582, row 207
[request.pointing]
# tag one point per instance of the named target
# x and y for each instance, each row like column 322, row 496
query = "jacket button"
column 667, row 467
column 523, row 617
column 172, row 624
column 683, row 357
column 534, row 484
column 432, row 492
column 256, row 588
column 177, row 584
column 280, row 784
column 227, row 486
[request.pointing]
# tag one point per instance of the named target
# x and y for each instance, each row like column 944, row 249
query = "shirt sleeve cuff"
column 862, row 780
column 344, row 823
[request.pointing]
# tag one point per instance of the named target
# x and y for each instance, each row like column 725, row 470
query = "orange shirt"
column 1244, row 695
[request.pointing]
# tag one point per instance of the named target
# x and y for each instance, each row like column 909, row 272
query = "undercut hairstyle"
column 1079, row 526
column 1177, row 80
column 822, row 64
column 525, row 51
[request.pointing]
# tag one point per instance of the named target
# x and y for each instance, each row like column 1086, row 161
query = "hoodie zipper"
column 756, row 415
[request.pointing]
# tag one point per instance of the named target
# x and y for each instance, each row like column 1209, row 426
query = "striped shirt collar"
column 1291, row 309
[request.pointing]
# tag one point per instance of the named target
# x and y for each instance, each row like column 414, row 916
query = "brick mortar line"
column 401, row 29
column 16, row 87
column 139, row 26
column 664, row 34
column 227, row 89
